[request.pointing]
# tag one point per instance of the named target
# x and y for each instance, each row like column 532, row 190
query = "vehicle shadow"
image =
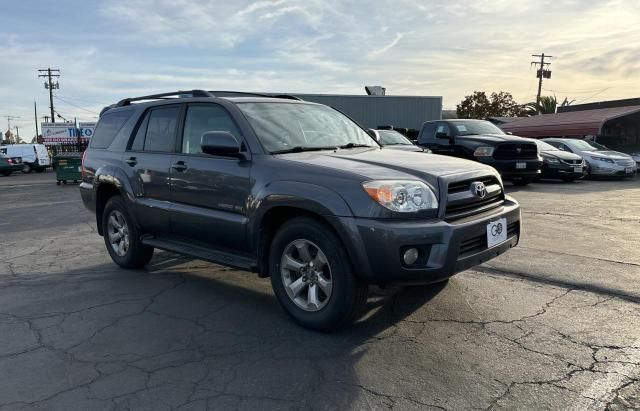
column 225, row 329
column 576, row 187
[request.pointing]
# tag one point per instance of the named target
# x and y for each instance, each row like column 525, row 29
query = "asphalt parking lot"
column 553, row 324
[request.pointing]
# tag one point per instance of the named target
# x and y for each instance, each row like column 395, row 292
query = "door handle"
column 179, row 166
column 131, row 161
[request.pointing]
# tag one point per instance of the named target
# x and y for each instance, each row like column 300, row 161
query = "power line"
column 50, row 73
column 77, row 106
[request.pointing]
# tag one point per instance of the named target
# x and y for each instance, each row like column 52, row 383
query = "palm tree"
column 547, row 105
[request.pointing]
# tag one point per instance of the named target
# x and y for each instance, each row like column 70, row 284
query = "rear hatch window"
column 108, row 127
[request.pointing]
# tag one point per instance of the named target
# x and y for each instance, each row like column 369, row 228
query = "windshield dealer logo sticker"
column 478, row 189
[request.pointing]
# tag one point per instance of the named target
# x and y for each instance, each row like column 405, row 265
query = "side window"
column 157, row 131
column 203, row 118
column 443, row 128
column 138, row 140
column 107, row 128
column 428, row 132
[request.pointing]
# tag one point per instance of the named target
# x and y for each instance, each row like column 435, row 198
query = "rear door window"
column 108, row 127
column 157, row 132
column 428, row 132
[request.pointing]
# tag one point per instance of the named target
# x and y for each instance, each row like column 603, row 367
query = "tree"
column 479, row 106
column 547, row 105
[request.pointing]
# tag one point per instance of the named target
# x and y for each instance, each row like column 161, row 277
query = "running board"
column 202, row 253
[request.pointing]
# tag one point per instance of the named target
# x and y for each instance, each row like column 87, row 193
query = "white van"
column 34, row 156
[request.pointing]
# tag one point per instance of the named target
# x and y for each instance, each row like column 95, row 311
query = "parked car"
column 292, row 190
column 34, row 156
column 600, row 160
column 8, row 164
column 395, row 140
column 636, row 158
column 560, row 164
column 516, row 158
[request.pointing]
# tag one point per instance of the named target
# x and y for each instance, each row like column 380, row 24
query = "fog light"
column 410, row 256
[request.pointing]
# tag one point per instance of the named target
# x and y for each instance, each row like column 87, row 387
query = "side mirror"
column 373, row 134
column 220, row 143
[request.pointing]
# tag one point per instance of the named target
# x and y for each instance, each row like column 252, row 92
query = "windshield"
column 283, row 126
column 582, row 145
column 542, row 146
column 467, row 128
column 390, row 137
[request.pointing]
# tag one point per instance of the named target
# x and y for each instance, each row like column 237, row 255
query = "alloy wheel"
column 118, row 232
column 306, row 275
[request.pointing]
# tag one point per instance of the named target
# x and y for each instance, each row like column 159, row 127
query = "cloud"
column 448, row 48
column 375, row 53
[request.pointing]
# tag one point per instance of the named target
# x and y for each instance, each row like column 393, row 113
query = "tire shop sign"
column 65, row 133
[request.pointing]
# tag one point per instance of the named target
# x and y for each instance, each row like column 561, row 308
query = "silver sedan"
column 600, row 160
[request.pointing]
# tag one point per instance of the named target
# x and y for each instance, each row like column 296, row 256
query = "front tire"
column 312, row 278
column 121, row 236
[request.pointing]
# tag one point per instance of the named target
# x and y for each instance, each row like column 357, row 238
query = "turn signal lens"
column 403, row 196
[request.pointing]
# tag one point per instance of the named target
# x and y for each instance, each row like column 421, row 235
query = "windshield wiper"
column 354, row 145
column 300, row 149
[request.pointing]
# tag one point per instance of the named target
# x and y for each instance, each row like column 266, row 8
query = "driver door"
column 209, row 193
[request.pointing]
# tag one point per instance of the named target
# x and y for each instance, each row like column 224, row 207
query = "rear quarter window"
column 108, row 127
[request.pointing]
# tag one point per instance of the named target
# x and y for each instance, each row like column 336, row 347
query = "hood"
column 614, row 155
column 385, row 164
column 562, row 155
column 495, row 138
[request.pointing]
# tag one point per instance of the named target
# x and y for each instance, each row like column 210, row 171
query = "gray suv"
column 291, row 190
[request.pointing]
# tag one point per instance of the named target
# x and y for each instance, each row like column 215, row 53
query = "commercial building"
column 408, row 112
column 615, row 124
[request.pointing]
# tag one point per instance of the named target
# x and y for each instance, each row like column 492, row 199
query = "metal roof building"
column 617, row 126
column 374, row 111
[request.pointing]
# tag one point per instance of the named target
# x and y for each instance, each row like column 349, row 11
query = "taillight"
column 84, row 154
column 10, row 161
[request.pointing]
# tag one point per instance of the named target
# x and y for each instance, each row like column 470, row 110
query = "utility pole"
column 35, row 116
column 17, row 135
column 50, row 73
column 541, row 73
column 9, row 118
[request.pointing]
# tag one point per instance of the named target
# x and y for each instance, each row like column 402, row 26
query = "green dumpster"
column 68, row 167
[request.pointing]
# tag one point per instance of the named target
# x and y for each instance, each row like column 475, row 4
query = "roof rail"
column 192, row 93
column 226, row 93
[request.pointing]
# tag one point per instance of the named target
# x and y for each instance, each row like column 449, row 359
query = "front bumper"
column 613, row 170
column 376, row 246
column 509, row 169
column 561, row 170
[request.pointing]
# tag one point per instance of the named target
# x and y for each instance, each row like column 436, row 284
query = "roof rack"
column 191, row 93
column 226, row 93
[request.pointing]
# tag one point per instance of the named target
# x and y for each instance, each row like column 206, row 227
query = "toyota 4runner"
column 292, row 190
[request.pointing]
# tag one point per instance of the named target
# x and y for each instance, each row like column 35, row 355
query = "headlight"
column 606, row 160
column 551, row 160
column 483, row 152
column 403, row 196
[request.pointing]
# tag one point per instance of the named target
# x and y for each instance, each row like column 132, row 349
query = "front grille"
column 626, row 163
column 461, row 202
column 478, row 243
column 573, row 162
column 516, row 151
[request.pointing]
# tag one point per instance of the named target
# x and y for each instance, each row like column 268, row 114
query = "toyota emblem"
column 478, row 189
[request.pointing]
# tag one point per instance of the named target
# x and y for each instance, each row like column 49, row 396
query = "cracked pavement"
column 553, row 324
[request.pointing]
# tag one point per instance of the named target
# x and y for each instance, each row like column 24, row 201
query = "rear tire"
column 315, row 287
column 121, row 236
column 6, row 173
column 26, row 168
column 569, row 179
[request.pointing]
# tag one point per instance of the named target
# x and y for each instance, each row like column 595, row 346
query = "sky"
column 108, row 50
